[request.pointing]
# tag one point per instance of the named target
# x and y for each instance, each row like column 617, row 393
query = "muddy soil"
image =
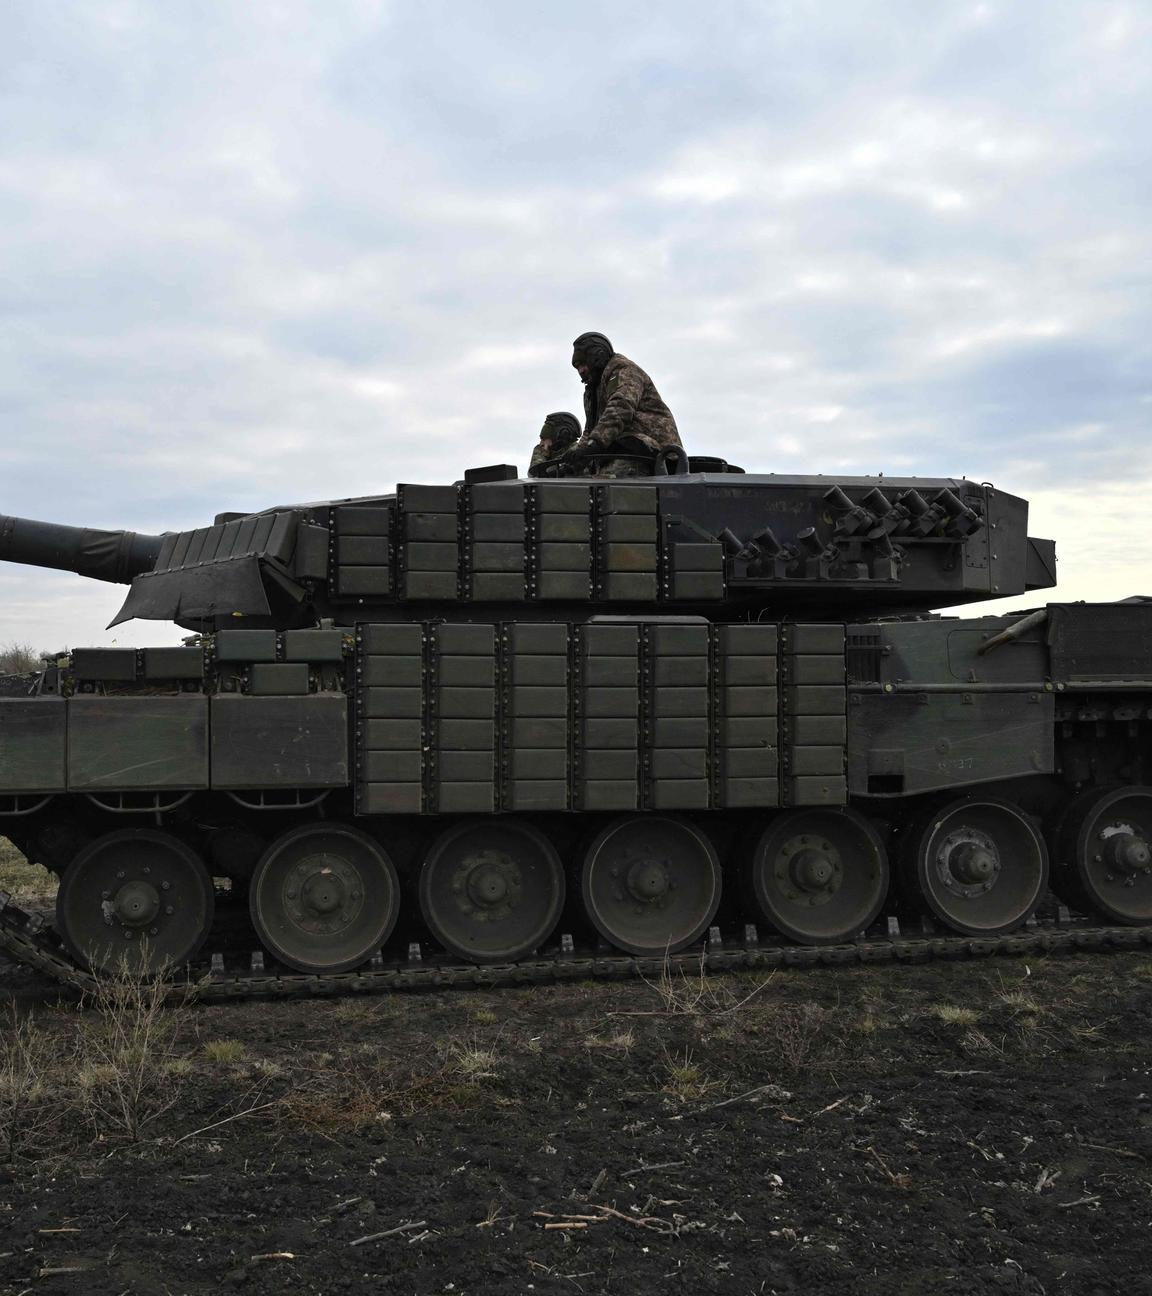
column 959, row 1127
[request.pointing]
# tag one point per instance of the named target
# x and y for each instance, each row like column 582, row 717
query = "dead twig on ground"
column 248, row 1111
column 648, row 1169
column 765, row 1090
column 1047, row 1178
column 495, row 1216
column 832, row 1106
column 653, row 1223
column 988, row 1156
column 400, row 1228
column 1120, row 1152
column 897, row 1178
column 1089, row 1200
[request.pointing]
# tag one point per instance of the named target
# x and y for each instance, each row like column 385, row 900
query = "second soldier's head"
column 560, row 430
column 590, row 353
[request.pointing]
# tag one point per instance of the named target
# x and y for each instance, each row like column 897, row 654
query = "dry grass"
column 684, row 993
column 800, row 1035
column 356, row 1099
column 618, row 1042
column 356, row 1011
column 31, row 1105
column 125, row 1053
column 1020, row 1002
column 23, row 881
column 954, row 1014
column 981, row 1045
column 473, row 1061
column 224, row 1050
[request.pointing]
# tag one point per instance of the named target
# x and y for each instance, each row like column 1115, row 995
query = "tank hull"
column 630, row 781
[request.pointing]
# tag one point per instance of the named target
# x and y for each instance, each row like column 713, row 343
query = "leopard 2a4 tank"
column 536, row 724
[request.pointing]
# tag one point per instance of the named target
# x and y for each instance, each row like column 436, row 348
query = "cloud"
column 266, row 252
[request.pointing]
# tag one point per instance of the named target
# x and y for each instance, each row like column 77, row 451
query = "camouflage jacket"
column 628, row 405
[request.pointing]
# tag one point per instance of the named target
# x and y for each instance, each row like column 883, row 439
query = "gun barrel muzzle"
column 115, row 556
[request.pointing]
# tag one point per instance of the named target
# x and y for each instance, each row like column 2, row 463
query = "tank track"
column 32, row 943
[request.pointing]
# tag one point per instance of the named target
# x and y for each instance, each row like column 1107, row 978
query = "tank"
column 503, row 722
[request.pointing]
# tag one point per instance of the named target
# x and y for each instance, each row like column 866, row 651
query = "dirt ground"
column 959, row 1127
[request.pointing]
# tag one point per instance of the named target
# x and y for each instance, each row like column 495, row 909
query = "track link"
column 33, row 944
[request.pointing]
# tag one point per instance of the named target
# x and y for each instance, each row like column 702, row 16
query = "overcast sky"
column 269, row 251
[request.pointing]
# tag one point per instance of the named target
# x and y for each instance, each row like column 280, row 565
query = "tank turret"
column 725, row 545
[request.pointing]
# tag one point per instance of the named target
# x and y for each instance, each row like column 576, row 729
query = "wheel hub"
column 1126, row 853
column 809, row 869
column 812, row 870
column 322, row 894
column 968, row 863
column 136, row 904
column 972, row 863
column 487, row 885
column 647, row 880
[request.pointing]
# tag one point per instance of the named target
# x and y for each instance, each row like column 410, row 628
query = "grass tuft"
column 224, row 1050
column 619, row 1041
column 684, row 1078
column 954, row 1014
column 1020, row 1002
column 474, row 1062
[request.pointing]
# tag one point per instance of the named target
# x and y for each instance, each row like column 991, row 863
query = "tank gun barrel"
column 115, row 556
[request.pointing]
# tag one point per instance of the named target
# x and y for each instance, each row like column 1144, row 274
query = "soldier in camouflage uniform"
column 623, row 409
column 558, row 435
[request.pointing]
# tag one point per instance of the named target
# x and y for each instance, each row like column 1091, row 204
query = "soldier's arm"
column 623, row 396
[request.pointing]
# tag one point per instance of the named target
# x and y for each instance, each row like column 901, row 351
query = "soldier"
column 557, row 436
column 623, row 409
